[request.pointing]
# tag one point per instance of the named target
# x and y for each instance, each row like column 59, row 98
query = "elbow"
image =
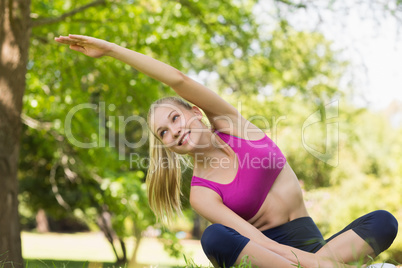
column 178, row 80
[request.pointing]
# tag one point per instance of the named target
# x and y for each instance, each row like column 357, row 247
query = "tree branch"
column 55, row 188
column 289, row 3
column 35, row 124
column 46, row 21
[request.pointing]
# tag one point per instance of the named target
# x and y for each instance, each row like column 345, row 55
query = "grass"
column 67, row 264
column 92, row 251
column 94, row 248
column 245, row 263
column 189, row 263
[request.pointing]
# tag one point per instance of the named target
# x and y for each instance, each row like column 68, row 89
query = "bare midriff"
column 283, row 203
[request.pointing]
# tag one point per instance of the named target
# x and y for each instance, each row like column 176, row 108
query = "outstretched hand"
column 90, row 46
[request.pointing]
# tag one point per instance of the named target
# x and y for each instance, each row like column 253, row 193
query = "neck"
column 214, row 151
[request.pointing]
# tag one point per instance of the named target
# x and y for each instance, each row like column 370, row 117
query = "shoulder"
column 238, row 127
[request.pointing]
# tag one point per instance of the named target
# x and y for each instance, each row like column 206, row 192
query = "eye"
column 175, row 117
column 162, row 133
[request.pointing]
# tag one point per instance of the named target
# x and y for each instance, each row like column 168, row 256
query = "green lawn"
column 92, row 249
column 64, row 264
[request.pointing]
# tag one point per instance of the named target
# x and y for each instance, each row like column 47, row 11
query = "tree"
column 94, row 183
column 50, row 161
column 15, row 30
column 14, row 43
column 101, row 178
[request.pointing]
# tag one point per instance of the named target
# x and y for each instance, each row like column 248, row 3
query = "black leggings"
column 222, row 244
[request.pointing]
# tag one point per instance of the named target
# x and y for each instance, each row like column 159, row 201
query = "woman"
column 242, row 183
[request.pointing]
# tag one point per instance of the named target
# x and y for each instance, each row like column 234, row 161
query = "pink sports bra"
column 259, row 163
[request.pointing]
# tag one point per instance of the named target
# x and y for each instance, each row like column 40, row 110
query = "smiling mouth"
column 184, row 139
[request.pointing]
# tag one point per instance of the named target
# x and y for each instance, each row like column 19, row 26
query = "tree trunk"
column 138, row 236
column 42, row 224
column 14, row 43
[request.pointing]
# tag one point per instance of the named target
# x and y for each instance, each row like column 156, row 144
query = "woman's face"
column 178, row 128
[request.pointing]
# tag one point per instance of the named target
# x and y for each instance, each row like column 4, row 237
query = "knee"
column 385, row 229
column 387, row 224
column 211, row 237
column 222, row 244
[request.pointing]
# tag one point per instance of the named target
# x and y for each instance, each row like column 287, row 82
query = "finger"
column 64, row 40
column 77, row 48
column 77, row 37
column 59, row 39
column 69, row 41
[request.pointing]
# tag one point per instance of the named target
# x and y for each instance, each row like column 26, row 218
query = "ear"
column 197, row 112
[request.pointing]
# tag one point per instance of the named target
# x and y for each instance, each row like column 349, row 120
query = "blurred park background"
column 300, row 70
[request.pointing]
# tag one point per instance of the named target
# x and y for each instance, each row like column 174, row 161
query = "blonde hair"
column 164, row 174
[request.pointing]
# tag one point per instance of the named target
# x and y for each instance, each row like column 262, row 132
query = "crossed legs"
column 367, row 236
column 347, row 247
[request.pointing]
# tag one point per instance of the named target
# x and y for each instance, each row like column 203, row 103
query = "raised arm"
column 212, row 104
column 209, row 204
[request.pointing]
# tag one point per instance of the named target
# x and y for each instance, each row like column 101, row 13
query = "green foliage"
column 244, row 263
column 277, row 77
column 75, row 159
column 171, row 244
column 366, row 179
column 66, row 264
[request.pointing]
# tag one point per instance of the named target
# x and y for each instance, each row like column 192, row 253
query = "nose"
column 176, row 132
